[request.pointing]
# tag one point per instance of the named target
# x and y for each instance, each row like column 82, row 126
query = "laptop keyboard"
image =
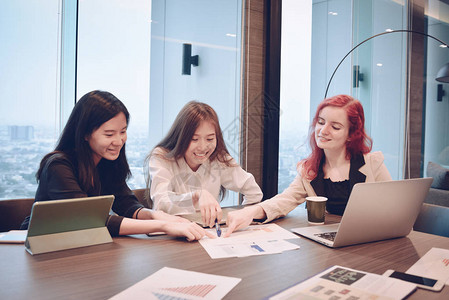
column 327, row 235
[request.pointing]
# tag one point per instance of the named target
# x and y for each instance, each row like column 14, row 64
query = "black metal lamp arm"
column 379, row 34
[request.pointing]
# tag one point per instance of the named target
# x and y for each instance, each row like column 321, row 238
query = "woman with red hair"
column 340, row 158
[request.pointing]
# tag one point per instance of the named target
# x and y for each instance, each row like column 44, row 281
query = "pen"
column 217, row 227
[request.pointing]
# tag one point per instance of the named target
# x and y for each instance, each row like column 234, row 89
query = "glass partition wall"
column 436, row 96
column 374, row 72
column 378, row 71
column 392, row 74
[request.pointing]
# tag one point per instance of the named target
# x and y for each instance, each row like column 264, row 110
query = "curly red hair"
column 358, row 140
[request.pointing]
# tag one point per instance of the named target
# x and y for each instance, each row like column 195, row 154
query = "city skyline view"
column 21, row 182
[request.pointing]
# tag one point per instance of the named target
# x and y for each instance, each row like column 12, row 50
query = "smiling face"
column 107, row 140
column 332, row 129
column 201, row 146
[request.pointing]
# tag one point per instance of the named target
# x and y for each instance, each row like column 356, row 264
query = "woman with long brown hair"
column 191, row 167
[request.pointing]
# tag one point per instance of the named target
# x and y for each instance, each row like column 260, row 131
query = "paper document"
column 263, row 232
column 256, row 240
column 13, row 237
column 170, row 283
column 434, row 264
column 343, row 283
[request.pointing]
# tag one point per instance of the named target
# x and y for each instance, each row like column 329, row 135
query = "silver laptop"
column 68, row 223
column 375, row 211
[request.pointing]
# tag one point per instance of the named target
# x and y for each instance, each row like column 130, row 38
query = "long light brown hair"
column 178, row 138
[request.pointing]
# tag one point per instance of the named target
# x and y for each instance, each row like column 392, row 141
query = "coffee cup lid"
column 316, row 198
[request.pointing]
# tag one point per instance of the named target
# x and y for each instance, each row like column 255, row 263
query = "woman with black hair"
column 90, row 160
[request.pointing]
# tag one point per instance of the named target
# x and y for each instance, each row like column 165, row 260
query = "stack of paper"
column 343, row 283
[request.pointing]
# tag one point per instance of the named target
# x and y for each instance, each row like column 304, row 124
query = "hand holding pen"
column 217, row 227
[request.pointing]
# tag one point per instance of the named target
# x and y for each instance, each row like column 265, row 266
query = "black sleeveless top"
column 337, row 194
column 340, row 191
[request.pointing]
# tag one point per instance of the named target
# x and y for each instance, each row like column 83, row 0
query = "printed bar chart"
column 199, row 290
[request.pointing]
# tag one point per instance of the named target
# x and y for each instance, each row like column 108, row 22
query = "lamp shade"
column 443, row 74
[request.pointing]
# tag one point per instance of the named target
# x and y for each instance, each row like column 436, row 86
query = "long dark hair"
column 358, row 140
column 89, row 113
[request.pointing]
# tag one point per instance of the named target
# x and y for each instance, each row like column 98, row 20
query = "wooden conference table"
column 100, row 272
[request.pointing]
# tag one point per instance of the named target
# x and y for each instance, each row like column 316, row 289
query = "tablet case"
column 69, row 223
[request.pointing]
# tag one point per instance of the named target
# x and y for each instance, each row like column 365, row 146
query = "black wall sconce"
column 356, row 76
column 187, row 59
column 440, row 93
column 442, row 76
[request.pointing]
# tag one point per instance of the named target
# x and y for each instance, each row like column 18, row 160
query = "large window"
column 55, row 51
column 114, row 56
column 30, row 33
column 134, row 51
column 295, row 87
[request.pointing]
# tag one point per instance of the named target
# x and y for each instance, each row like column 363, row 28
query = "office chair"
column 140, row 194
column 433, row 219
column 13, row 212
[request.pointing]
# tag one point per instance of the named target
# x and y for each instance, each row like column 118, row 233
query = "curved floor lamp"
column 442, row 75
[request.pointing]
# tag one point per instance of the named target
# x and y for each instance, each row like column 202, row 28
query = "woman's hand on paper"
column 242, row 218
column 190, row 230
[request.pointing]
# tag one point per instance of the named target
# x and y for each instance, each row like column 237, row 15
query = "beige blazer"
column 367, row 168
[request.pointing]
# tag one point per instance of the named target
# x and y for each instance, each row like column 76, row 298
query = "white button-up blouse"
column 173, row 182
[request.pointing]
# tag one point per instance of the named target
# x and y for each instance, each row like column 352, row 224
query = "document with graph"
column 255, row 240
column 174, row 284
column 339, row 282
